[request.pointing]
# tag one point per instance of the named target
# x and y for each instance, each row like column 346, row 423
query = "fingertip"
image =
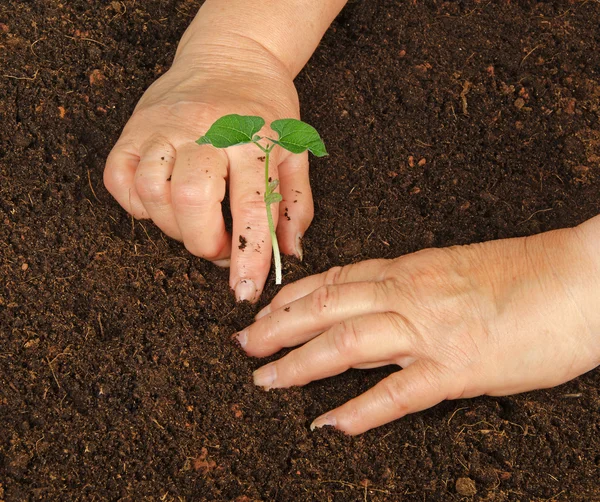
column 246, row 291
column 324, row 420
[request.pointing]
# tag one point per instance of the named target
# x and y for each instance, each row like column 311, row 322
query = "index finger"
column 369, row 270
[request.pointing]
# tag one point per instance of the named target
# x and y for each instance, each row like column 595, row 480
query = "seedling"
column 294, row 135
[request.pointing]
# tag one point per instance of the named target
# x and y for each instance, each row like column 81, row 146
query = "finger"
column 359, row 340
column 153, row 184
column 251, row 250
column 296, row 210
column 369, row 270
column 312, row 314
column 413, row 389
column 197, row 190
column 119, row 174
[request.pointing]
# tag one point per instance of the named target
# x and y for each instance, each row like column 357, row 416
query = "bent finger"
column 412, row 389
column 153, row 184
column 296, row 210
column 357, row 341
column 119, row 174
column 197, row 190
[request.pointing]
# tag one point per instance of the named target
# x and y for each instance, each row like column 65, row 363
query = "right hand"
column 157, row 171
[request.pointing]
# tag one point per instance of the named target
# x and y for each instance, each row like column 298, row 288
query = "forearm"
column 288, row 29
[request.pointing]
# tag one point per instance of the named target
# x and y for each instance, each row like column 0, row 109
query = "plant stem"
column 276, row 254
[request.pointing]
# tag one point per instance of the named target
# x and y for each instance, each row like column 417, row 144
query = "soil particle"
column 97, row 78
column 243, row 243
column 197, row 278
column 465, row 487
column 202, row 464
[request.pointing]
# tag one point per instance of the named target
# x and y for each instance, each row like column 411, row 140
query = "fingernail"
column 263, row 312
column 265, row 376
column 223, row 263
column 242, row 337
column 322, row 421
column 245, row 290
column 299, row 252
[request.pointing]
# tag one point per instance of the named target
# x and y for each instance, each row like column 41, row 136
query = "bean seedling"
column 294, row 135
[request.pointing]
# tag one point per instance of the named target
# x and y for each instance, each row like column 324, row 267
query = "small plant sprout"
column 294, row 135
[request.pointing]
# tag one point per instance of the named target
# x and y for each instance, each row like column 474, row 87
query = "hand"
column 157, row 171
column 496, row 318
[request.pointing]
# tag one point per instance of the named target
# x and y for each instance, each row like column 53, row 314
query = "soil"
column 446, row 123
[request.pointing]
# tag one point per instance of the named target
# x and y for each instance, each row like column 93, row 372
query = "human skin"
column 493, row 318
column 496, row 318
column 235, row 57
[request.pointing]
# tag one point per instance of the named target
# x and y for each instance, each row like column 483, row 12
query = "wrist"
column 223, row 50
column 287, row 30
column 587, row 237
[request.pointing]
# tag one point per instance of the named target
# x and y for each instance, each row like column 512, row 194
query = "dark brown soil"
column 446, row 123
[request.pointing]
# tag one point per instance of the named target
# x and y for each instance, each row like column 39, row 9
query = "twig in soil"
column 53, row 374
column 530, row 53
column 554, row 497
column 82, row 38
column 422, row 143
column 537, row 212
column 159, row 426
column 148, row 235
column 100, row 325
column 91, row 187
column 23, row 78
column 352, row 485
column 455, row 412
column 31, row 46
column 463, row 96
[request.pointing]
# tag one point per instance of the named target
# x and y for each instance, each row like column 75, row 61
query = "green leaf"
column 273, row 198
column 232, row 130
column 297, row 137
column 273, row 185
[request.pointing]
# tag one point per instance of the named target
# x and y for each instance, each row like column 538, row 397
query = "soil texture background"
column 446, row 123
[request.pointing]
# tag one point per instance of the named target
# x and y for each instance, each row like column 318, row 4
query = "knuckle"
column 334, row 275
column 151, row 190
column 345, row 338
column 253, row 205
column 384, row 291
column 293, row 369
column 190, row 196
column 207, row 249
column 324, row 299
column 113, row 177
column 394, row 391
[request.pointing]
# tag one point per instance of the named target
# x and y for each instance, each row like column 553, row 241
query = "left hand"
column 496, row 318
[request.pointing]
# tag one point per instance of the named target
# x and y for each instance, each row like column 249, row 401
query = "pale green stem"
column 276, row 254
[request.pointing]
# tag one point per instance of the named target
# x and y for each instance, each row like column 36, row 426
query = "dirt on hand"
column 446, row 122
